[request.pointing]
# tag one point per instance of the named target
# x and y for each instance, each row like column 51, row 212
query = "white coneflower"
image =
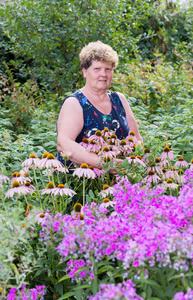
column 84, row 170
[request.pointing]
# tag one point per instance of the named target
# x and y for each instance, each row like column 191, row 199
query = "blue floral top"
column 95, row 120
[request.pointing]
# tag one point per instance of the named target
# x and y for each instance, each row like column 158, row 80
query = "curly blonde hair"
column 98, row 51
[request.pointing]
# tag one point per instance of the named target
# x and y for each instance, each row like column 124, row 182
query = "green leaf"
column 67, row 295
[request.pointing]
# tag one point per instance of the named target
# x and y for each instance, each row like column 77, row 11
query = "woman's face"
column 98, row 75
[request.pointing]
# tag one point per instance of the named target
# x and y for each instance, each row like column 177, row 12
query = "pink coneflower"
column 33, row 160
column 106, row 203
column 59, row 169
column 50, row 162
column 107, row 153
column 84, row 143
column 191, row 166
column 132, row 135
column 17, row 176
column 97, row 137
column 16, row 188
column 180, row 178
column 29, row 185
column 172, row 173
column 3, row 178
column 107, row 190
column 152, row 177
column 135, row 160
column 167, row 154
column 49, row 189
column 181, row 163
column 171, row 185
column 61, row 190
column 124, row 147
column 106, row 133
column 77, row 209
column 84, row 170
column 94, row 146
column 155, row 169
column 98, row 171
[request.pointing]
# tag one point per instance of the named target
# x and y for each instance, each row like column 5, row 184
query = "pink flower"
column 152, row 177
column 33, row 160
column 134, row 159
column 50, row 162
column 84, row 171
column 61, row 190
column 167, row 154
column 107, row 153
column 181, row 163
column 17, row 188
column 3, row 178
column 49, row 189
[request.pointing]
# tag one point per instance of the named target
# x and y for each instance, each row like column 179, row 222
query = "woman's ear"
column 84, row 72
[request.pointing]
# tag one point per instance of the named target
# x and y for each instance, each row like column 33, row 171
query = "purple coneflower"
column 98, row 137
column 181, row 163
column 61, row 190
column 172, row 173
column 84, row 143
column 167, row 154
column 136, row 160
column 171, row 185
column 50, row 162
column 106, row 203
column 94, row 146
column 191, row 166
column 49, row 189
column 16, row 188
column 20, row 178
column 107, row 153
column 33, row 160
column 3, row 178
column 84, row 170
column 152, row 177
column 107, row 190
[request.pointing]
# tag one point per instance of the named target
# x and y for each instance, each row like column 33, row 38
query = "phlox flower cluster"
column 123, row 291
column 146, row 226
column 73, row 266
column 182, row 296
column 27, row 294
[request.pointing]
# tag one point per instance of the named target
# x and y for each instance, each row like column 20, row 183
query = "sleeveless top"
column 95, row 120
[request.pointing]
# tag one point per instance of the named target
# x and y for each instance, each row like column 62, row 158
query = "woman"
column 93, row 107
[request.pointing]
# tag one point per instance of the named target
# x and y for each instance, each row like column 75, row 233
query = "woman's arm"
column 130, row 117
column 70, row 124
